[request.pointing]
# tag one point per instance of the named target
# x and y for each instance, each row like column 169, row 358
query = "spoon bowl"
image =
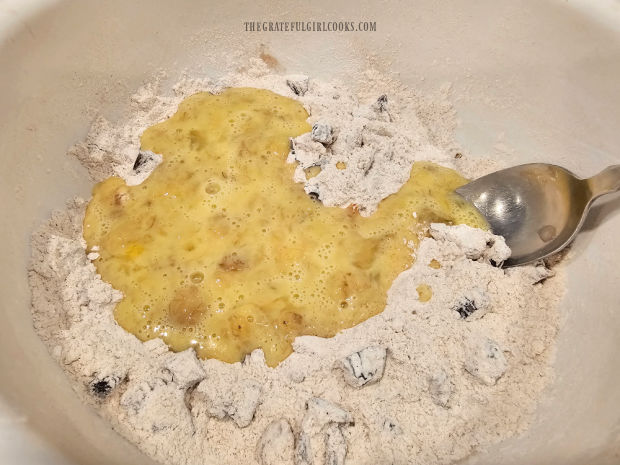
column 538, row 208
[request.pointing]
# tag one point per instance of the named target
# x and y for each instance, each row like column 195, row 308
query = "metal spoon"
column 538, row 208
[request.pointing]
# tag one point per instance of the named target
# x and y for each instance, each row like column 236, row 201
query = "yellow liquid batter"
column 221, row 251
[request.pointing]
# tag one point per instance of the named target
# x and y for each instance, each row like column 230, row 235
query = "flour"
column 399, row 388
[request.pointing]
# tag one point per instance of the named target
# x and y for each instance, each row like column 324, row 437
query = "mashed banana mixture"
column 273, row 270
column 221, row 251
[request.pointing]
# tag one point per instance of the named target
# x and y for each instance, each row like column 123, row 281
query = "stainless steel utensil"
column 538, row 208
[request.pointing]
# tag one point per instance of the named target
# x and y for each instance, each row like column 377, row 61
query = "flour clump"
column 276, row 445
column 364, row 367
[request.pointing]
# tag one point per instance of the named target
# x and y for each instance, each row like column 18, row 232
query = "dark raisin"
column 382, row 103
column 298, row 86
column 322, row 133
column 101, row 388
column 144, row 161
column 466, row 308
column 314, row 196
column 140, row 160
column 389, row 425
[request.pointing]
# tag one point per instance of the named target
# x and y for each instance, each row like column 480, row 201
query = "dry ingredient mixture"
column 455, row 362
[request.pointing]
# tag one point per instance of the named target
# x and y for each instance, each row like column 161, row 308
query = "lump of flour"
column 222, row 399
column 477, row 244
column 335, row 446
column 321, row 434
column 478, row 348
column 322, row 133
column 276, row 444
column 155, row 405
column 472, row 304
column 485, row 360
column 533, row 274
column 364, row 367
column 185, row 369
column 440, row 388
column 298, row 84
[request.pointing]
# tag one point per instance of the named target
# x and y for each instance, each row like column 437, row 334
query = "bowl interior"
column 532, row 81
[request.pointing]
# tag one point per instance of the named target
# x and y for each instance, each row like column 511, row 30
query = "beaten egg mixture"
column 219, row 250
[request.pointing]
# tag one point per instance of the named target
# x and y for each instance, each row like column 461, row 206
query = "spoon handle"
column 605, row 182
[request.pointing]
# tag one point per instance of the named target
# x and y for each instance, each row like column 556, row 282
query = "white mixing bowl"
column 532, row 80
